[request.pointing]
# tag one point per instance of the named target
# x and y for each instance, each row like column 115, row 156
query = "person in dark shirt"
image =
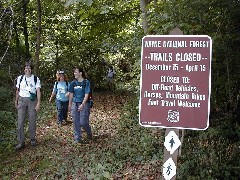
column 79, row 106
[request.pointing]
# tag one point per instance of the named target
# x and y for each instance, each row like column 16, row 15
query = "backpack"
column 57, row 84
column 35, row 81
column 90, row 96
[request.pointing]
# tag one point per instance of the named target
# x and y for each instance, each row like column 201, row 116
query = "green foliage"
column 142, row 145
column 213, row 155
column 99, row 172
column 6, row 98
column 8, row 131
column 8, row 119
column 47, row 111
column 70, row 2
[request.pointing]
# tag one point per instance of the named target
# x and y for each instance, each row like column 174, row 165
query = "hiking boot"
column 20, row 146
column 33, row 142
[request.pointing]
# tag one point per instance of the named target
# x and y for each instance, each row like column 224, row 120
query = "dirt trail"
column 116, row 153
column 56, row 155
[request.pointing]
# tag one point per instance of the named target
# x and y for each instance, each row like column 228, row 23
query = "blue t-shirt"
column 79, row 89
column 61, row 89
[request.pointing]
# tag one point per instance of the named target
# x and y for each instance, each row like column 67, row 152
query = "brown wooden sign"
column 175, row 81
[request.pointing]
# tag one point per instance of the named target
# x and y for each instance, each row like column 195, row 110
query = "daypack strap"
column 20, row 82
column 84, row 82
column 35, row 81
column 90, row 97
column 56, row 83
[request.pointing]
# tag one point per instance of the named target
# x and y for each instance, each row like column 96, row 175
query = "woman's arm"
column 52, row 96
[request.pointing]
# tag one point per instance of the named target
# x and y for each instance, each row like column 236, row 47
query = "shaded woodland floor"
column 116, row 152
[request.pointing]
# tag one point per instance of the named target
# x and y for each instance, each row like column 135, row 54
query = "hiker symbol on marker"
column 169, row 169
column 172, row 142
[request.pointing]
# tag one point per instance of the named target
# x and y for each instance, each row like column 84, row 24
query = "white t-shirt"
column 111, row 73
column 27, row 84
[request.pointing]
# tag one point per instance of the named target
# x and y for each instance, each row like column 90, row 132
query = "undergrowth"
column 121, row 149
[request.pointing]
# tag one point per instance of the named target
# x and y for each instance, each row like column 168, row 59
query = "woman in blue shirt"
column 60, row 90
column 79, row 90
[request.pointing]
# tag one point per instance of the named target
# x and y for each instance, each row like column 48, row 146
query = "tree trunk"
column 38, row 40
column 57, row 57
column 18, row 46
column 143, row 5
column 25, row 29
column 155, row 3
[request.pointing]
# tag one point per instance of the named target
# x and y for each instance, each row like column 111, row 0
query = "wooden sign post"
column 174, row 156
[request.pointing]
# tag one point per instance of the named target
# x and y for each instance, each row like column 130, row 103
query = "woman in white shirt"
column 27, row 100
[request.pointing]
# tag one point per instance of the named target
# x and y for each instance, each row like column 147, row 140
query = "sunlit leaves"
column 104, row 10
column 88, row 2
column 71, row 2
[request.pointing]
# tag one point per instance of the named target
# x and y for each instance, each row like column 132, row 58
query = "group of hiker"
column 74, row 96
